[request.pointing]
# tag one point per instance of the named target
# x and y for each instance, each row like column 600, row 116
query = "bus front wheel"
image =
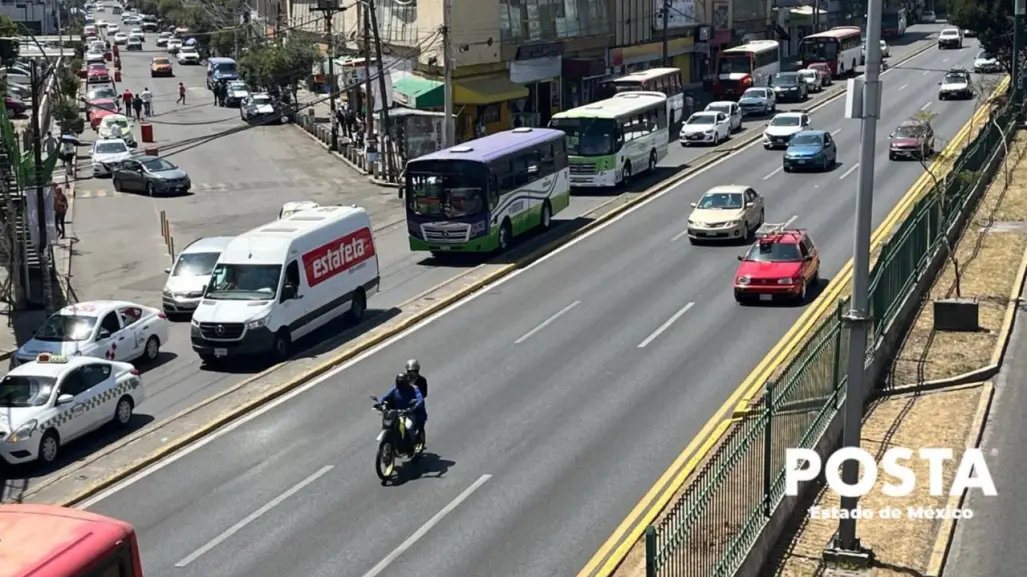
column 504, row 236
column 652, row 161
column 547, row 216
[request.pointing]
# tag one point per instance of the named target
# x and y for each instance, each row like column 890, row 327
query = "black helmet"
column 413, row 366
column 401, row 380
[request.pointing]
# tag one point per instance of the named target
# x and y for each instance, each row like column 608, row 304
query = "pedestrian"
column 147, row 97
column 181, row 93
column 216, row 90
column 60, row 210
column 50, row 144
column 68, row 152
column 126, row 99
column 137, row 105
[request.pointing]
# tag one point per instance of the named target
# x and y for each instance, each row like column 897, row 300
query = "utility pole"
column 278, row 23
column 1019, row 60
column 37, row 180
column 386, row 131
column 448, row 123
column 666, row 38
column 858, row 319
column 371, row 142
column 328, row 8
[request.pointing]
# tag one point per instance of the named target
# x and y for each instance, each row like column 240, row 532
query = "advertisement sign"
column 680, row 14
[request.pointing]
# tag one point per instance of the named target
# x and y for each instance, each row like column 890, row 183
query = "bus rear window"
column 736, row 64
column 819, row 49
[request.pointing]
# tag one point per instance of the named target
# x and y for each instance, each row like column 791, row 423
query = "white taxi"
column 54, row 399
column 114, row 330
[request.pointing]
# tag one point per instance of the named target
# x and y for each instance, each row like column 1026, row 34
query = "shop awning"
column 487, row 90
column 422, row 93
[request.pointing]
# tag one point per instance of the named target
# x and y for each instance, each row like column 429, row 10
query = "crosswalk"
column 308, row 184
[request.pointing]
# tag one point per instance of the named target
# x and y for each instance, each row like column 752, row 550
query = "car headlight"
column 784, row 281
column 710, row 131
column 23, row 432
column 167, row 293
column 743, row 280
column 733, row 223
column 766, row 137
column 194, row 322
column 256, row 323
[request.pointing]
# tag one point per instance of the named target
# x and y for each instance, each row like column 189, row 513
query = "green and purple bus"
column 478, row 196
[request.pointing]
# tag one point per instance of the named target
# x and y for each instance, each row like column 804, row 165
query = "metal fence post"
column 768, row 437
column 836, row 370
column 650, row 551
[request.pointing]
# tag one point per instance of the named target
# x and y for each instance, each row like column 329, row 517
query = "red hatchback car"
column 782, row 264
column 14, row 106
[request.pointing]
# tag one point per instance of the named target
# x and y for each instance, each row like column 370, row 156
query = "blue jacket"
column 408, row 398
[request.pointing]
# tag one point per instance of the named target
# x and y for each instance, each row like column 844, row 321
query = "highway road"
column 558, row 395
column 990, row 543
column 240, row 181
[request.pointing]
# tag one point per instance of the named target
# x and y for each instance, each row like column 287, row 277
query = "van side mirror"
column 289, row 292
column 740, row 257
column 65, row 399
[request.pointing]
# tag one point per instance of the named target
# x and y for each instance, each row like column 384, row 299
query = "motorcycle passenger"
column 405, row 396
column 414, row 374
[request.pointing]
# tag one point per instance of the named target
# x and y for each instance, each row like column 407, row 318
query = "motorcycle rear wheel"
column 419, row 443
column 385, row 461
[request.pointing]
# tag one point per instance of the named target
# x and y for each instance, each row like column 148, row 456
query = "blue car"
column 811, row 150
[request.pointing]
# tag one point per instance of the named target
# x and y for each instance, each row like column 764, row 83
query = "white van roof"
column 271, row 243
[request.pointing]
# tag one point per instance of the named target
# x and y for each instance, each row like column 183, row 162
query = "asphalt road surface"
column 240, row 181
column 990, row 543
column 558, row 395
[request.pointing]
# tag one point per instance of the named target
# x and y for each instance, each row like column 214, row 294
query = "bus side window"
column 619, row 142
column 661, row 117
column 547, row 164
column 493, row 190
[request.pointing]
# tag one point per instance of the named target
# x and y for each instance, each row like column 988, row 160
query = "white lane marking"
column 671, row 187
column 924, row 107
column 849, row 171
column 835, row 131
column 679, row 235
column 944, row 59
column 547, row 322
column 665, row 325
column 925, row 73
column 253, row 516
column 384, row 564
column 903, row 87
column 775, row 171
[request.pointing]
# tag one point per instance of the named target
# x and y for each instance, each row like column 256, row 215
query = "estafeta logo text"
column 340, row 255
column 971, row 473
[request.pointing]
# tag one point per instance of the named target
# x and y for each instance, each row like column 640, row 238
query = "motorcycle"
column 393, row 440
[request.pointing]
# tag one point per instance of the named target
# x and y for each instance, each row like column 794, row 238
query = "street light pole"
column 1019, row 61
column 858, row 320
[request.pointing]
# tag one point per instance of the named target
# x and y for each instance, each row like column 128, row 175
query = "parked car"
column 826, row 78
column 261, row 108
column 761, row 101
column 14, row 106
column 236, row 92
column 790, row 86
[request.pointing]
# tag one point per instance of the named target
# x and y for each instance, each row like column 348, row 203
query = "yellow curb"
column 947, row 531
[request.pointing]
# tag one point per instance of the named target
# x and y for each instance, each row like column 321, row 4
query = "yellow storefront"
column 482, row 104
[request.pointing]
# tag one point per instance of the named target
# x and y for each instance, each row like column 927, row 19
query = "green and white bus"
column 478, row 196
column 612, row 140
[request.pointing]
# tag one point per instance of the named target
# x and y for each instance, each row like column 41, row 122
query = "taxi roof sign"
column 51, row 358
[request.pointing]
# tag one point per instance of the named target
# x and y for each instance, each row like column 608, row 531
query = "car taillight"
column 162, row 315
column 134, row 372
column 747, row 81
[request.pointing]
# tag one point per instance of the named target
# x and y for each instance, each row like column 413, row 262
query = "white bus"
column 612, row 140
column 665, row 80
column 744, row 67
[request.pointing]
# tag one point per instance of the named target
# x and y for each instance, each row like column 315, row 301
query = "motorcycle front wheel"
column 385, row 461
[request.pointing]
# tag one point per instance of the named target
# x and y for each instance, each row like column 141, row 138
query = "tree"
column 8, row 27
column 222, row 42
column 65, row 113
column 148, row 6
column 279, row 68
column 992, row 20
column 68, row 81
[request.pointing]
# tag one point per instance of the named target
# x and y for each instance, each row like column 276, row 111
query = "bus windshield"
column 446, row 189
column 818, row 49
column 734, row 64
column 587, row 136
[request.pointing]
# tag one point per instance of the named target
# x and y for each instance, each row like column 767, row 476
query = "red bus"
column 747, row 66
column 840, row 48
column 50, row 541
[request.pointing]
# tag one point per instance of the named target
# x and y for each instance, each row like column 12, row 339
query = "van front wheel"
column 281, row 345
column 355, row 314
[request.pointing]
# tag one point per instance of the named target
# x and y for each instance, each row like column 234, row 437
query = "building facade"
column 40, row 17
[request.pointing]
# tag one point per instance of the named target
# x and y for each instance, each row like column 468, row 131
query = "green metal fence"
column 710, row 528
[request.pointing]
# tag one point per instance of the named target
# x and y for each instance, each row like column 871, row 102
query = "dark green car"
column 151, row 175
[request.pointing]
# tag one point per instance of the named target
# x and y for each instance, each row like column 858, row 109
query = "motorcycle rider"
column 405, row 396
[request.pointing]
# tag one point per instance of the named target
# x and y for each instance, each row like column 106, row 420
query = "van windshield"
column 244, row 282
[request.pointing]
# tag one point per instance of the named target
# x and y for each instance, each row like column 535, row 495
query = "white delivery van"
column 278, row 282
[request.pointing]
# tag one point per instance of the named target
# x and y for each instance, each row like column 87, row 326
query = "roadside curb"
column 997, row 356
column 947, row 530
column 367, row 343
column 349, row 163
